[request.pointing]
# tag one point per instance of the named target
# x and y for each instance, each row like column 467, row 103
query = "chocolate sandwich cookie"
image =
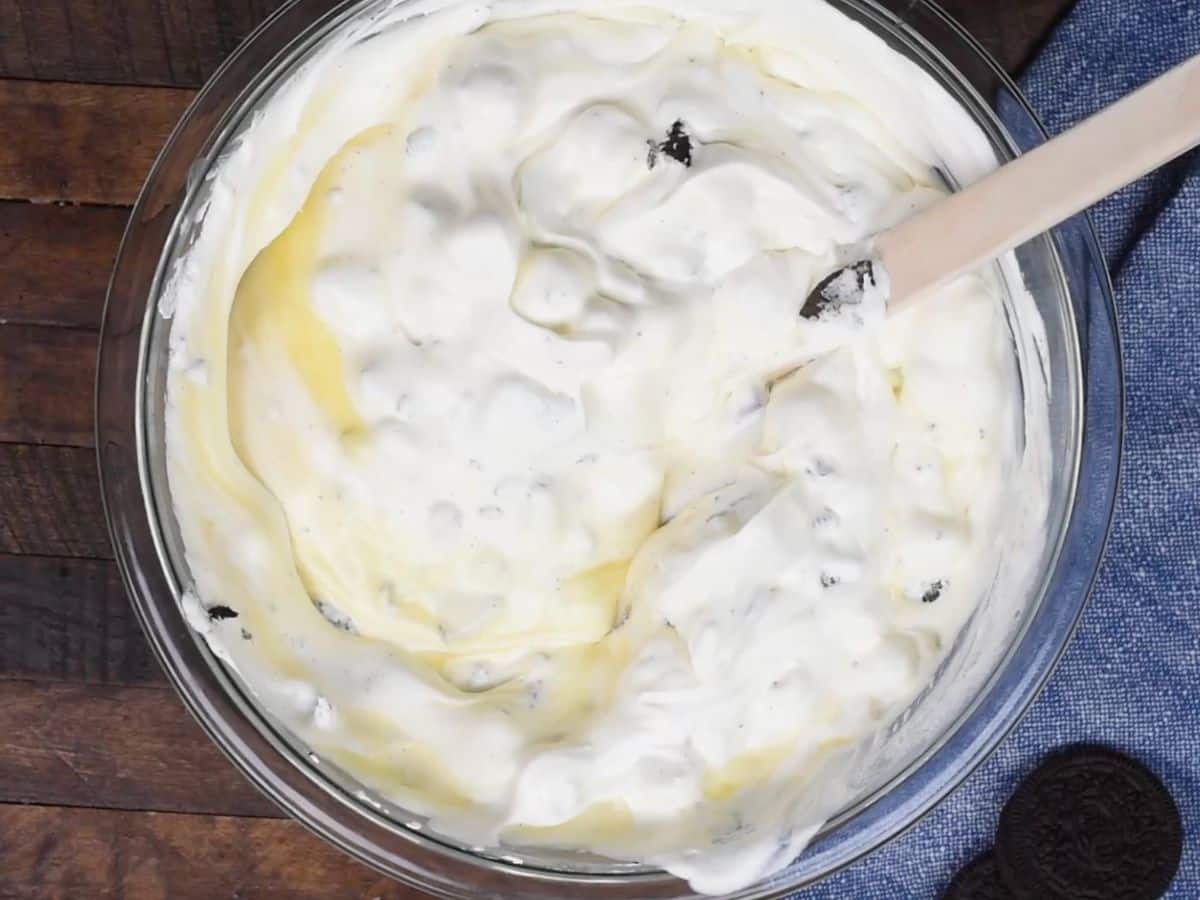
column 979, row 880
column 1089, row 824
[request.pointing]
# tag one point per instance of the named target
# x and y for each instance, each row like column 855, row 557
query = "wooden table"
column 107, row 787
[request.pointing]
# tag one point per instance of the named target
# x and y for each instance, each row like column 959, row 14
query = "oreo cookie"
column 1089, row 823
column 979, row 880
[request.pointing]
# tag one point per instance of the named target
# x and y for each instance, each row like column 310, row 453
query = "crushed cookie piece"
column 678, row 146
column 334, row 616
column 651, row 155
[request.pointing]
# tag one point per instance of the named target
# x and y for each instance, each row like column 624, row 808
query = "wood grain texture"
column 50, row 502
column 69, row 619
column 167, row 42
column 114, row 747
column 47, row 375
column 58, row 853
column 55, row 262
column 1011, row 30
column 181, row 42
column 82, row 142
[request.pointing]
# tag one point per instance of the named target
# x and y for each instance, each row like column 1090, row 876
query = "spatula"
column 1023, row 198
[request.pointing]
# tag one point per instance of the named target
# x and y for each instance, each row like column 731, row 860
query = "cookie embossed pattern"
column 1089, row 822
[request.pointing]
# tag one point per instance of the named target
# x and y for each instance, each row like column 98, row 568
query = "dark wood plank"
column 104, row 137
column 149, row 42
column 55, row 262
column 1011, row 30
column 167, row 42
column 57, row 853
column 85, row 143
column 114, row 747
column 50, row 502
column 69, row 619
column 47, row 376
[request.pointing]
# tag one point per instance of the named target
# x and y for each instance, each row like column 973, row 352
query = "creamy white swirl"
column 493, row 418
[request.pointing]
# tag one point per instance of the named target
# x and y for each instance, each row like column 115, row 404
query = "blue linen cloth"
column 1131, row 678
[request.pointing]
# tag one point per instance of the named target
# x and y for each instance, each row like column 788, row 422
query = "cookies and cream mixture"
column 509, row 477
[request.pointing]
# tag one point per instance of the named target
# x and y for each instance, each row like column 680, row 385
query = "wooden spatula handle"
column 1046, row 186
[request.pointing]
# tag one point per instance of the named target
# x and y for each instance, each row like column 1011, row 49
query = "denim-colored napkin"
column 1131, row 678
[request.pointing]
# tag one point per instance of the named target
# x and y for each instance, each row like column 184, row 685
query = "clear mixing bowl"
column 991, row 676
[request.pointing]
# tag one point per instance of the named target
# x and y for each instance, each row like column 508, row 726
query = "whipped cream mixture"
column 510, row 478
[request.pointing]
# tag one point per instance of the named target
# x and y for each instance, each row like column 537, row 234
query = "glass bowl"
column 941, row 743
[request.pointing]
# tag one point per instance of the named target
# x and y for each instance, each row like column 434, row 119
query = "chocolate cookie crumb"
column 678, row 146
column 334, row 616
column 1090, row 822
column 933, row 591
column 843, row 287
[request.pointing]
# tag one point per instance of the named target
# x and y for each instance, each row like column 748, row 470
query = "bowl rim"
column 268, row 759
